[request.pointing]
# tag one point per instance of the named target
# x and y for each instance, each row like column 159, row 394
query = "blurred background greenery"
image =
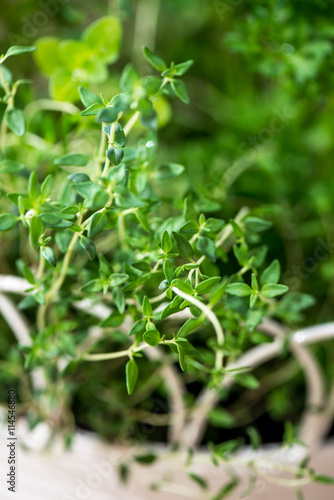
column 258, row 130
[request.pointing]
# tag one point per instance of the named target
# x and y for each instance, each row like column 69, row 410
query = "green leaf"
column 33, row 187
column 47, row 56
column 247, row 380
column 138, row 327
column 225, row 491
column 54, row 221
column 168, row 170
column 166, row 242
column 182, row 362
column 183, row 246
column 270, row 290
column 254, row 436
column 15, row 50
column 147, row 308
column 168, row 270
column 239, row 289
column 221, row 418
column 129, row 78
column 46, row 187
column 271, row 274
column 96, row 224
column 115, row 155
column 323, row 479
column 16, row 121
column 87, row 190
column 119, row 137
column 119, row 298
column 181, row 68
column 256, row 225
column 117, row 279
column 92, row 110
column 131, row 373
column 49, row 255
column 36, row 230
column 155, row 61
column 207, row 247
column 104, row 38
column 207, row 285
column 180, row 90
column 10, row 167
column 189, row 326
column 152, row 337
column 88, row 98
column 7, row 221
column 93, row 286
column 255, row 284
column 72, row 160
column 148, row 116
column 89, row 246
column 183, row 286
column 106, row 115
column 146, row 459
column 26, row 272
column 151, row 84
column 253, row 319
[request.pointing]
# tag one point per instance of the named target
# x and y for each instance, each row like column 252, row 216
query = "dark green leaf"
column 97, row 223
column 54, row 221
column 207, row 285
column 88, row 97
column 16, row 121
column 10, row 167
column 168, row 170
column 207, row 247
column 152, row 337
column 247, row 380
column 166, row 242
column 199, row 480
column 115, row 155
column 119, row 137
column 256, row 225
column 15, row 50
column 270, row 290
column 239, row 289
column 271, row 274
column 89, row 246
column 93, row 286
column 146, row 459
column 180, row 90
column 221, row 418
column 7, row 221
column 151, row 84
column 106, row 115
column 147, row 308
column 189, row 326
column 49, row 255
column 183, row 246
column 129, row 78
column 181, row 68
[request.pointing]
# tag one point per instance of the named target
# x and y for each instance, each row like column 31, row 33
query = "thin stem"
column 128, row 126
column 214, row 320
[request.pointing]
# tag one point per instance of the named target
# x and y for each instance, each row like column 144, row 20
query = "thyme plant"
column 119, row 273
